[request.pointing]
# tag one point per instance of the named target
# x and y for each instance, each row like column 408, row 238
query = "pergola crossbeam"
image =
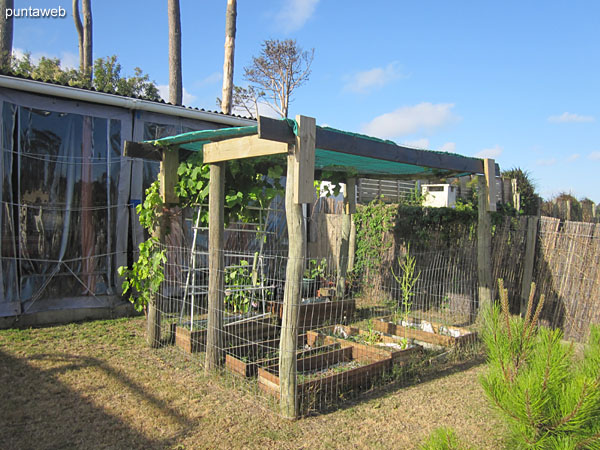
column 241, row 147
column 351, row 144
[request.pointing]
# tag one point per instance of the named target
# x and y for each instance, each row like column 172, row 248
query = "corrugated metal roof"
column 134, row 97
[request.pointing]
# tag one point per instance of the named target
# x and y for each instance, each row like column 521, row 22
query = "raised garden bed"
column 245, row 359
column 425, row 331
column 236, row 331
column 329, row 374
column 373, row 345
column 316, row 311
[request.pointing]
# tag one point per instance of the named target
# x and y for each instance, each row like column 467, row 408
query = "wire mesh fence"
column 333, row 334
column 350, row 332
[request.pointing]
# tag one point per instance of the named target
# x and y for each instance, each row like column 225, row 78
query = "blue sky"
column 517, row 81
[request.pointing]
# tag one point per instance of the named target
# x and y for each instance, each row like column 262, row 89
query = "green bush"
column 443, row 439
column 548, row 398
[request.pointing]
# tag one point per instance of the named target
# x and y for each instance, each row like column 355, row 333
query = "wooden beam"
column 142, row 150
column 355, row 145
column 242, row 147
column 275, row 130
column 489, row 168
column 304, row 160
column 280, row 131
column 168, row 176
column 216, row 226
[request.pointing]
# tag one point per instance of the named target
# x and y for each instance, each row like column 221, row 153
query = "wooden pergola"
column 308, row 147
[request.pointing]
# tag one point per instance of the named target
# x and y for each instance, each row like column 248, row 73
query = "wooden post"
column 298, row 162
column 216, row 281
column 343, row 257
column 516, row 197
column 167, row 178
column 484, row 244
column 532, row 225
column 352, row 244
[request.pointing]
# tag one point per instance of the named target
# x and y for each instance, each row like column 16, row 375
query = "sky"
column 517, row 81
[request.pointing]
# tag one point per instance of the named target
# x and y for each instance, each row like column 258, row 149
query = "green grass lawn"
column 97, row 385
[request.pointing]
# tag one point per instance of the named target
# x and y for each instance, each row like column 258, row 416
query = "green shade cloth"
column 324, row 159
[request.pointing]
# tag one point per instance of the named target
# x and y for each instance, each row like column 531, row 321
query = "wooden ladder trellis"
column 191, row 288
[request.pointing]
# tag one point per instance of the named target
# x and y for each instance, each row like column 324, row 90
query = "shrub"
column 443, row 439
column 548, row 398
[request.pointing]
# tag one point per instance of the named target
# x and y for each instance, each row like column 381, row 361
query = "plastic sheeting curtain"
column 59, row 194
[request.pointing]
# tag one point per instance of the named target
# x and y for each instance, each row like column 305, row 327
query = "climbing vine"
column 248, row 182
column 372, row 221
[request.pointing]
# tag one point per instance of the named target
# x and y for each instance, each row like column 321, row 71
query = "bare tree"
column 6, row 34
column 84, row 33
column 230, row 21
column 175, row 78
column 281, row 67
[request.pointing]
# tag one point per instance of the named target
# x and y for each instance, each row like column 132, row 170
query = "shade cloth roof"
column 336, row 151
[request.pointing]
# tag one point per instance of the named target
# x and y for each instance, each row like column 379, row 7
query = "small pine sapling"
column 548, row 398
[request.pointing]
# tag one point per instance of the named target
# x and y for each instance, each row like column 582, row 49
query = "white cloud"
column 411, row 119
column 294, row 14
column 546, row 162
column 188, row 98
column 18, row 52
column 594, row 156
column 573, row 157
column 422, row 143
column 68, row 60
column 377, row 77
column 263, row 110
column 163, row 91
column 213, row 78
column 448, row 147
column 567, row 117
column 493, row 152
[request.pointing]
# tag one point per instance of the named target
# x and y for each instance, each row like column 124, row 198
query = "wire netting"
column 398, row 315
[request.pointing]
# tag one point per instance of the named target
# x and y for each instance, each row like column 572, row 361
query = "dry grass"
column 96, row 385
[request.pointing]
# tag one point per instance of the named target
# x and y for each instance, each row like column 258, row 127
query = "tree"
column 281, row 67
column 564, row 206
column 47, row 69
column 548, row 398
column 231, row 16
column 6, row 34
column 107, row 76
column 175, row 77
column 84, row 34
column 526, row 188
column 588, row 210
column 244, row 98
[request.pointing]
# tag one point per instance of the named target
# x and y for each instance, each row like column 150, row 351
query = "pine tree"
column 548, row 398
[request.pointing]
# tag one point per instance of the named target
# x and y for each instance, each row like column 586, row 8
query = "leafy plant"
column 414, row 198
column 146, row 274
column 548, row 399
column 372, row 221
column 407, row 280
column 316, row 269
column 237, row 278
column 372, row 337
column 248, row 182
column 443, row 439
